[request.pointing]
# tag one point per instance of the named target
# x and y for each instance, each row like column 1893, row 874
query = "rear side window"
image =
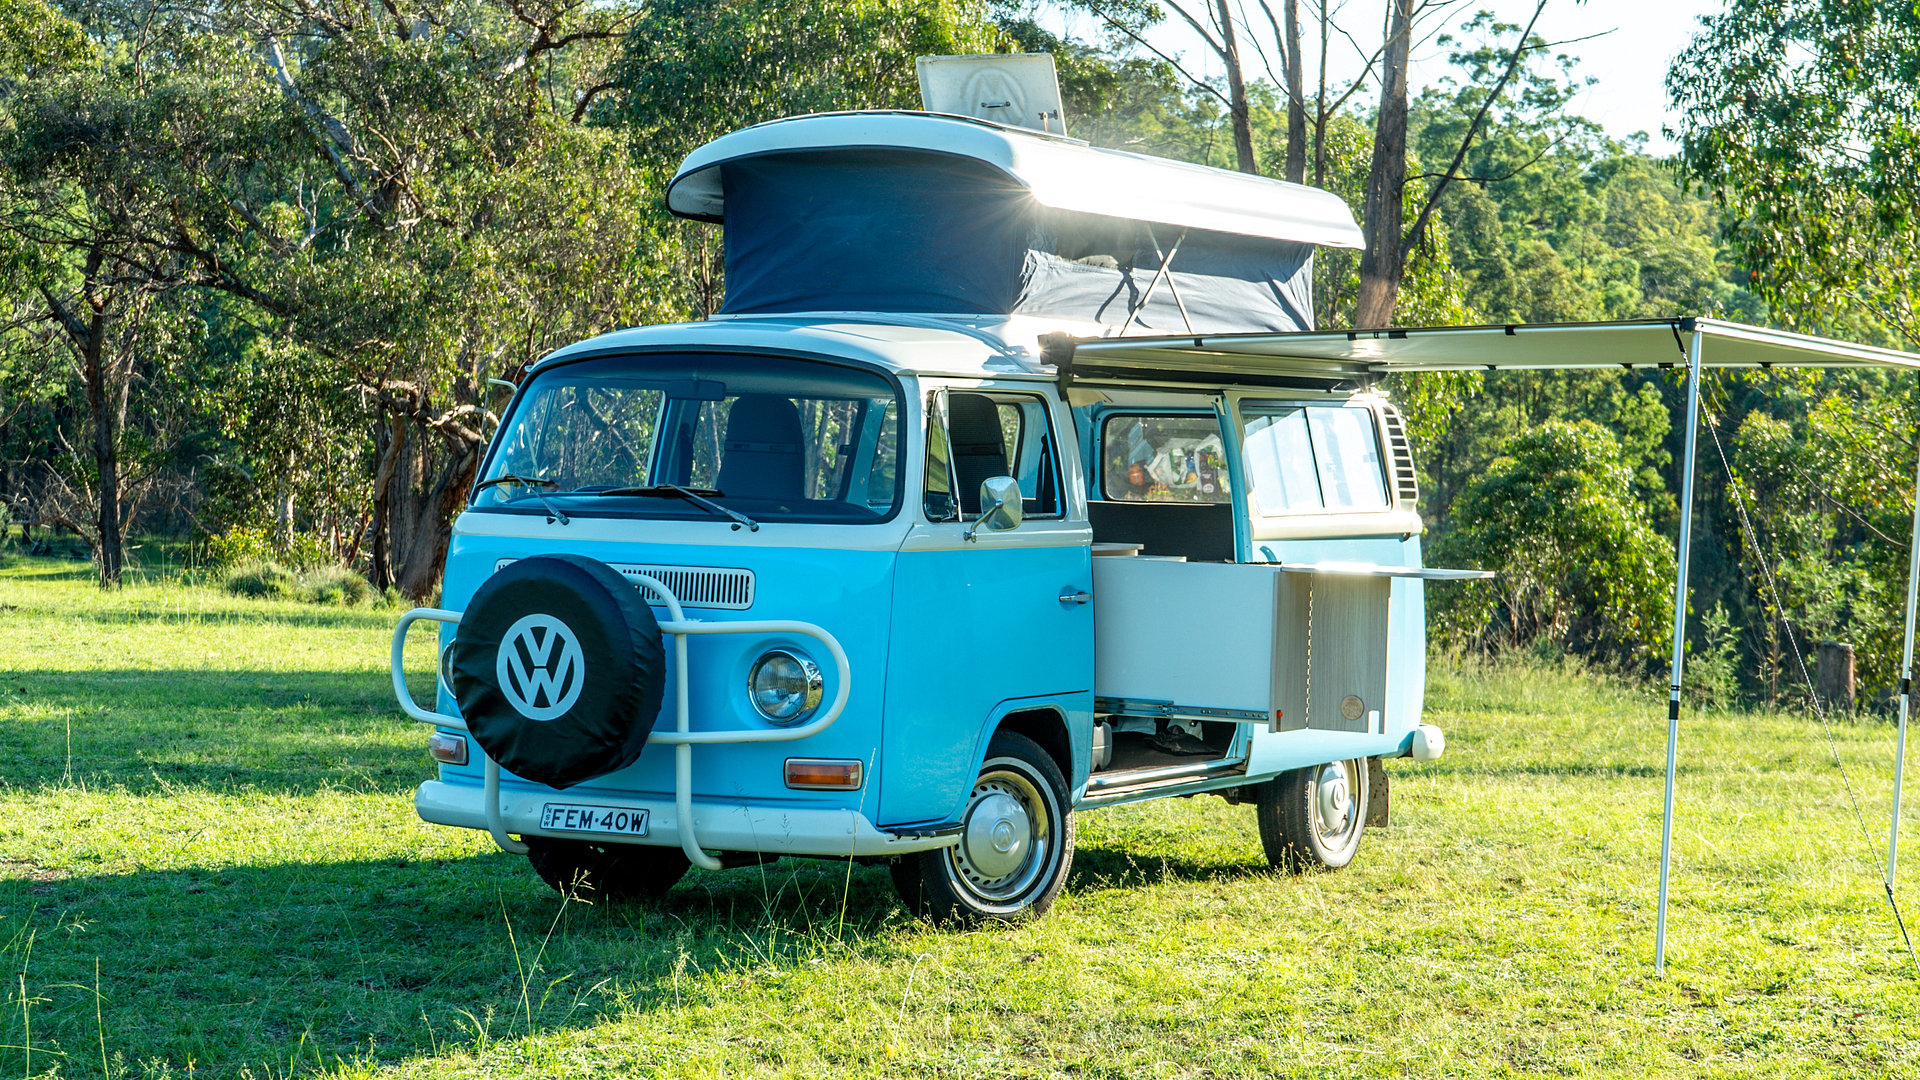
column 1302, row 459
column 1163, row 459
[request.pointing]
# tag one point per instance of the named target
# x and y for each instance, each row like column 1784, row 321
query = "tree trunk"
column 1385, row 258
column 1236, row 94
column 1296, row 98
column 104, row 408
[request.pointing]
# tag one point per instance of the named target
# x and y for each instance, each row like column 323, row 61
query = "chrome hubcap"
column 1003, row 844
column 999, row 833
column 1336, row 812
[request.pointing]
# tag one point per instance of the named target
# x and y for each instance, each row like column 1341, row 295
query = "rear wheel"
column 1016, row 843
column 589, row 871
column 1312, row 818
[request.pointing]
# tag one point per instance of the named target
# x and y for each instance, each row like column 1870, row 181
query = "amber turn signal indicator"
column 823, row 774
column 451, row 749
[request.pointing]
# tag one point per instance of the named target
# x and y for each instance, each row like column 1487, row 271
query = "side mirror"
column 1000, row 505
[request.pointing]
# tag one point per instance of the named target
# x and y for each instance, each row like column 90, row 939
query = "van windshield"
column 772, row 438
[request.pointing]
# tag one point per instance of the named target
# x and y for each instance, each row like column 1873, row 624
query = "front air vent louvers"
column 723, row 587
column 1406, row 485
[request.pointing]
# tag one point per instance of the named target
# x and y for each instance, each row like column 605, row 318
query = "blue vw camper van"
column 896, row 558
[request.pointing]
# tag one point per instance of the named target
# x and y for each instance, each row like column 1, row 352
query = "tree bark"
column 109, row 552
column 1385, row 258
column 1296, row 98
column 1236, row 94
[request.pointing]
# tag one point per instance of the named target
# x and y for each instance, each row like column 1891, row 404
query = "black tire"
column 592, row 872
column 1313, row 818
column 994, row 873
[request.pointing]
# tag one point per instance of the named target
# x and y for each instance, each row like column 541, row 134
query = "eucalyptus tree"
column 101, row 155
column 1800, row 118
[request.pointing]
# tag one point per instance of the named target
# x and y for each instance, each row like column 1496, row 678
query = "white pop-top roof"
column 1061, row 173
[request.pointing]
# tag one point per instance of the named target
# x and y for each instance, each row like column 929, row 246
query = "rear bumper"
column 720, row 826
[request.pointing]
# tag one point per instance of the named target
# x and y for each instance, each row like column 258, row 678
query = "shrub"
column 239, row 547
column 1579, row 562
column 335, row 585
column 263, row 580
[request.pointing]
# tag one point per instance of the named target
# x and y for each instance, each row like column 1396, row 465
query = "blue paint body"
column 947, row 638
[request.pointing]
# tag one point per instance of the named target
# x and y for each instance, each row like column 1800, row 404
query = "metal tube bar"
column 399, row 671
column 1906, row 685
column 1155, row 281
column 497, row 821
column 678, row 627
column 1679, row 646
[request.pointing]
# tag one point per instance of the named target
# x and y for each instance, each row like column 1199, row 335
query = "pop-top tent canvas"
column 947, row 215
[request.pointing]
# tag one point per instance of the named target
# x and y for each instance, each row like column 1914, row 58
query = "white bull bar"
column 682, row 738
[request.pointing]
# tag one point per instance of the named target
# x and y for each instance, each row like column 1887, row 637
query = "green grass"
column 209, row 798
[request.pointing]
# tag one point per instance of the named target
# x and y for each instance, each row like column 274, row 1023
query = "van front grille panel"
column 724, row 587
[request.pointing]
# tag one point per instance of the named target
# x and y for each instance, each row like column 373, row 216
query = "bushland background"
column 259, row 262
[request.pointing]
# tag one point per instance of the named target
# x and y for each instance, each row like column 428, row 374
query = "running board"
column 1132, row 780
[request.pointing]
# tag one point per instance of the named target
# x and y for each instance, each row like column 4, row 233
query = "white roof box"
column 1060, row 173
column 1017, row 89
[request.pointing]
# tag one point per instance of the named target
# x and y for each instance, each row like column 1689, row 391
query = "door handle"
column 1071, row 595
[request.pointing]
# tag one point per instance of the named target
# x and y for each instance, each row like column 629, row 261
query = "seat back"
column 764, row 455
column 979, row 445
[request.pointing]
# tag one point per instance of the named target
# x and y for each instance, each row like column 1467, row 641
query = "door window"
column 973, row 435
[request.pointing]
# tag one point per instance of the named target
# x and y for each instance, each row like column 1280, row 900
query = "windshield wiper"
column 554, row 513
column 696, row 496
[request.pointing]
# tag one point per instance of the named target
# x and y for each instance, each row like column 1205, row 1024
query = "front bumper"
column 772, row 830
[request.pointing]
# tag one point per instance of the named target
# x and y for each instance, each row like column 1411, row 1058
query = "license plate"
column 568, row 817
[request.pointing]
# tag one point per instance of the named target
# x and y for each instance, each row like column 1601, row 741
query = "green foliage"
column 1578, row 561
column 1798, row 118
column 337, row 585
column 692, row 70
column 1713, row 669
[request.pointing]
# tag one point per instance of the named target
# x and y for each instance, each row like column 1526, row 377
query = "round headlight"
column 784, row 686
column 446, row 668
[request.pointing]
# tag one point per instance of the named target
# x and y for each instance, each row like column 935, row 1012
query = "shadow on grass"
column 313, row 617
column 1100, row 868
column 388, row 959
column 1584, row 770
column 291, row 731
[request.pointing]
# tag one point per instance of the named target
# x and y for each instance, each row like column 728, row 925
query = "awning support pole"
column 1906, row 685
column 1679, row 645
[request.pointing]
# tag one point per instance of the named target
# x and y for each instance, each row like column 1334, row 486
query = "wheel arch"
column 1046, row 725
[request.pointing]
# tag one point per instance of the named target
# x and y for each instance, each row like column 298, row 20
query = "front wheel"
column 1312, row 818
column 1016, row 843
column 587, row 871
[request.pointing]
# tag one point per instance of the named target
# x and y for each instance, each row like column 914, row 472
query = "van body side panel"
column 975, row 625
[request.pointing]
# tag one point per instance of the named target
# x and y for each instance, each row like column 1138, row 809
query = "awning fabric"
column 1367, row 354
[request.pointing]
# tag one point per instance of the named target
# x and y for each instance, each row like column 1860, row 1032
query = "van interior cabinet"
column 1239, row 641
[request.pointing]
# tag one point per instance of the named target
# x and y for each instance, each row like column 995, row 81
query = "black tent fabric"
column 928, row 233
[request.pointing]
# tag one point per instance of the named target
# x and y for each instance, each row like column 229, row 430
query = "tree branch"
column 1466, row 142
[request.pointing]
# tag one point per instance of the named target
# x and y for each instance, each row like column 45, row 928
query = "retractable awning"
column 1351, row 357
column 1362, row 355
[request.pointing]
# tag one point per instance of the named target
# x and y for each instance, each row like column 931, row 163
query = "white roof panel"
column 1061, row 173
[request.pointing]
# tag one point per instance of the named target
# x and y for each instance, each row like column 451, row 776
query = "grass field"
column 209, row 866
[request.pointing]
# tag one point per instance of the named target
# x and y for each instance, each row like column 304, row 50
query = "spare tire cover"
column 558, row 669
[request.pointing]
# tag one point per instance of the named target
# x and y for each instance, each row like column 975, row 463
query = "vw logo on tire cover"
column 540, row 667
